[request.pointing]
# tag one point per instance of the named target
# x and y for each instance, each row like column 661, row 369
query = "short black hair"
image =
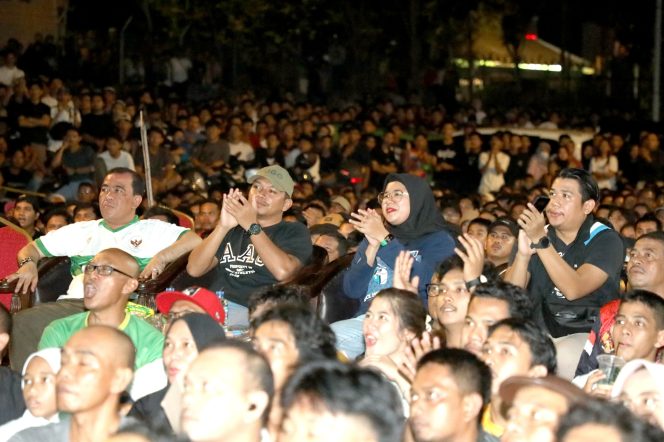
column 278, row 295
column 58, row 211
column 608, row 414
column 649, row 218
column 34, row 202
column 83, row 206
column 322, row 229
column 519, row 303
column 651, row 300
column 162, row 211
column 347, row 389
column 655, row 236
column 342, row 242
column 470, row 373
column 587, row 184
column 137, row 183
column 480, row 221
column 313, row 337
column 256, row 366
column 542, row 349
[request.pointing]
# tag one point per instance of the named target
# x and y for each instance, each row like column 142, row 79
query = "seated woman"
column 640, row 387
column 38, row 384
column 395, row 317
column 413, row 223
column 186, row 336
column 289, row 336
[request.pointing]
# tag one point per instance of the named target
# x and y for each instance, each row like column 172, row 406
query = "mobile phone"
column 540, row 202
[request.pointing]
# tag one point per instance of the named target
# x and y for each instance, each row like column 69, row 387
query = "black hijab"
column 203, row 328
column 424, row 215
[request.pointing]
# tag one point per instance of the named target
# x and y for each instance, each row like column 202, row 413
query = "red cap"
column 200, row 296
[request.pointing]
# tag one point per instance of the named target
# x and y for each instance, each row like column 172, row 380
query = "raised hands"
column 403, row 265
column 370, row 223
column 418, row 348
column 472, row 256
column 532, row 222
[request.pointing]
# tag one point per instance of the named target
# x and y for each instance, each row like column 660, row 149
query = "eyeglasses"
column 434, row 290
column 396, row 196
column 102, row 270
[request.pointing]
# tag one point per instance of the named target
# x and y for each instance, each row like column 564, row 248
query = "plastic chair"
column 13, row 239
column 184, row 220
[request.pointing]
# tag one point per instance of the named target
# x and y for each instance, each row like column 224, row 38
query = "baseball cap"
column 332, row 218
column 278, row 176
column 506, row 222
column 343, row 202
column 510, row 387
column 200, row 296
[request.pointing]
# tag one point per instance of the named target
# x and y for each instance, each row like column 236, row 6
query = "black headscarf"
column 203, row 328
column 424, row 215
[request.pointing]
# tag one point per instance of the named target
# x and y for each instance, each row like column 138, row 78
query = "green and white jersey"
column 83, row 240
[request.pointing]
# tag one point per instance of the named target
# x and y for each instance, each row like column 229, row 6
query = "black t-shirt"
column 97, row 125
column 18, row 180
column 34, row 134
column 595, row 244
column 455, row 155
column 383, row 155
column 241, row 271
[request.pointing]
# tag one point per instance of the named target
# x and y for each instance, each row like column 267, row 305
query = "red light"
column 356, row 180
column 531, row 36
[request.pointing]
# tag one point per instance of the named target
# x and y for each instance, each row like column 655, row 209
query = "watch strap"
column 475, row 282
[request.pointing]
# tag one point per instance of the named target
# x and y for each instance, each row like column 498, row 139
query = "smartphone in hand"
column 540, row 202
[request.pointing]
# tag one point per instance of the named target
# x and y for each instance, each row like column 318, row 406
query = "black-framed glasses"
column 102, row 270
column 396, row 196
column 434, row 290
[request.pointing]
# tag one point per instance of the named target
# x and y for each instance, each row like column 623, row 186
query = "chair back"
column 184, row 220
column 12, row 238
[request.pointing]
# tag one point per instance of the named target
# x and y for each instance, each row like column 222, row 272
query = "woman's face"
column 179, row 351
column 275, row 341
column 39, row 388
column 381, row 329
column 448, row 302
column 396, row 203
column 643, row 398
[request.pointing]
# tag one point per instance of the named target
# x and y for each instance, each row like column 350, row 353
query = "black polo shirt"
column 594, row 244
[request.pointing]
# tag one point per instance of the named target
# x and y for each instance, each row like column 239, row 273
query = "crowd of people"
column 490, row 273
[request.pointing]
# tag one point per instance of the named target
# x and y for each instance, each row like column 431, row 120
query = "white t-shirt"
column 81, row 241
column 124, row 160
column 9, row 75
column 605, row 165
column 242, row 151
column 491, row 180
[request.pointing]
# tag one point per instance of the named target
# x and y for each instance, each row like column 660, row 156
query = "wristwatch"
column 475, row 282
column 543, row 243
column 254, row 229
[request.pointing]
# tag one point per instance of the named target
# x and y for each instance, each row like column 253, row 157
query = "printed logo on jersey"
column 241, row 264
column 135, row 242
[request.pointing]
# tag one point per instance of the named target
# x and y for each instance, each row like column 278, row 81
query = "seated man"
column 97, row 367
column 13, row 405
column 207, row 217
column 110, row 277
column 329, row 401
column 638, row 332
column 645, row 271
column 514, row 347
column 152, row 243
column 334, row 244
column 501, row 243
column 489, row 304
column 535, row 405
column 251, row 245
column 449, row 392
column 572, row 265
column 227, row 394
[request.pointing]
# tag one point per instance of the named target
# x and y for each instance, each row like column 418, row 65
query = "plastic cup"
column 610, row 365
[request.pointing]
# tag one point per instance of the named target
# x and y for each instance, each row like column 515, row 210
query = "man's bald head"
column 120, row 260
column 110, row 343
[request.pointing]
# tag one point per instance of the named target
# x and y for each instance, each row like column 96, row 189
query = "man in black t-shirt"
column 572, row 267
column 252, row 247
column 34, row 119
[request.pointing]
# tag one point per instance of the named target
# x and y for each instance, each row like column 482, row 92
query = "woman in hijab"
column 410, row 221
column 186, row 336
column 38, row 385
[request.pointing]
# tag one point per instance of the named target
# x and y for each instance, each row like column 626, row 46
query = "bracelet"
column 386, row 240
column 24, row 261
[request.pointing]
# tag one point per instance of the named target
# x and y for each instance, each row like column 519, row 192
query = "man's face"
column 97, row 103
column 276, row 342
column 482, row 313
column 207, row 217
column 86, row 214
column 499, row 244
column 644, row 227
column 450, row 305
column 507, row 355
column 216, row 380
column 534, row 415
column 55, row 222
column 35, row 92
column 307, row 422
column 268, row 201
column 566, row 210
column 181, row 307
column 437, row 405
column 645, row 268
column 636, row 333
column 86, row 377
column 117, row 201
column 104, row 292
column 330, row 244
column 25, row 214
column 86, row 194
column 478, row 231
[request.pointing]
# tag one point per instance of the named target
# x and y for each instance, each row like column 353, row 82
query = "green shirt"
column 148, row 341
